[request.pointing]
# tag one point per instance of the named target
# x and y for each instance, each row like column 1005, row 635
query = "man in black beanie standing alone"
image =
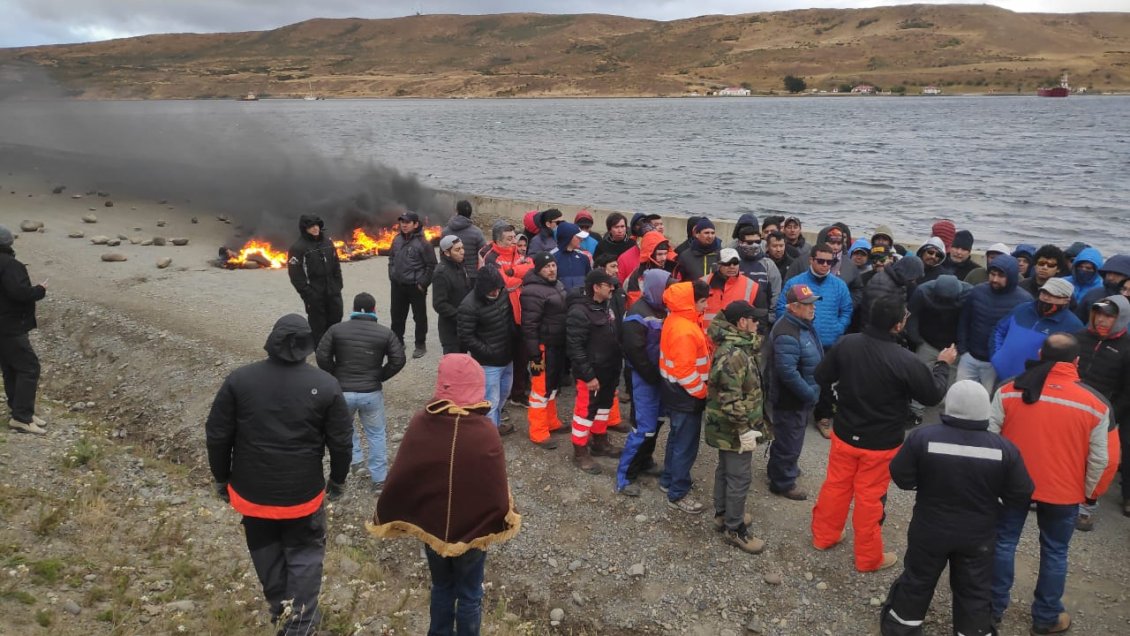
column 18, row 361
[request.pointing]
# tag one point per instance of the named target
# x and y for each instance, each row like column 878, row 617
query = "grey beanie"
column 6, row 237
column 967, row 400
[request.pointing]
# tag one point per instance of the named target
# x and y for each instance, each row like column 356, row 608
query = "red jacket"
column 1065, row 437
column 740, row 287
column 632, row 282
column 513, row 267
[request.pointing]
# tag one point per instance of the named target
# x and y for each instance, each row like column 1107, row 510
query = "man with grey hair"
column 18, row 362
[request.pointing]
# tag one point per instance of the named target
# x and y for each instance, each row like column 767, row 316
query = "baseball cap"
column 739, row 309
column 1105, row 306
column 727, row 255
column 410, row 216
column 880, row 252
column 448, row 241
column 582, row 234
column 790, row 220
column 1058, row 287
column 801, row 294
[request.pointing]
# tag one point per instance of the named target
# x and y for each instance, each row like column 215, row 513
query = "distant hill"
column 961, row 48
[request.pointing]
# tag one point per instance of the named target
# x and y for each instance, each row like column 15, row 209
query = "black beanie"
column 963, row 239
column 463, row 208
column 541, row 260
column 703, row 224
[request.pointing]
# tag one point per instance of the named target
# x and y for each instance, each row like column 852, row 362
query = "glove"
column 334, row 490
column 221, row 488
column 749, row 441
column 536, row 368
column 510, row 272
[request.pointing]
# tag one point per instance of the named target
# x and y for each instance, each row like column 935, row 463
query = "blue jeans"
column 499, row 380
column 682, row 451
column 1057, row 524
column 457, row 593
column 372, row 408
column 970, row 368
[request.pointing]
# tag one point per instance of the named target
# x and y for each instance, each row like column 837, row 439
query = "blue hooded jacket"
column 643, row 326
column 1117, row 264
column 1085, row 283
column 1019, row 336
column 572, row 267
column 985, row 307
column 833, row 310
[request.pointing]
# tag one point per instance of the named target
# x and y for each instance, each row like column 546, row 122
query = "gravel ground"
column 132, row 356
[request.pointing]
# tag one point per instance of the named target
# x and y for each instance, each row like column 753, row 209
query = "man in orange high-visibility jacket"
column 684, row 365
column 728, row 284
column 1062, row 428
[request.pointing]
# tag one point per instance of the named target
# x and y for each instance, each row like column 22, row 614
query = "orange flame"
column 360, row 245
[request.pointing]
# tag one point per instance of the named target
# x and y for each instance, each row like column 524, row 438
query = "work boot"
column 548, row 444
column 602, row 448
column 794, row 493
column 742, row 539
column 720, row 520
column 1062, row 624
column 889, row 560
column 583, row 459
column 1084, row 523
column 419, row 352
column 25, row 427
column 631, row 490
column 843, row 535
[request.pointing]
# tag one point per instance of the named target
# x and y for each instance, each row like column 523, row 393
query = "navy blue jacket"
column 792, row 353
column 984, row 309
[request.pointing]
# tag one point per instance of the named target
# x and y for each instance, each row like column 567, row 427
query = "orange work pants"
column 542, row 413
column 862, row 475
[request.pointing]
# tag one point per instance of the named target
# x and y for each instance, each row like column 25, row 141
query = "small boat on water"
column 1063, row 90
column 249, row 97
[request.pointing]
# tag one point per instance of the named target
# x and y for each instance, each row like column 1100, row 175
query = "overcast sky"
column 30, row 22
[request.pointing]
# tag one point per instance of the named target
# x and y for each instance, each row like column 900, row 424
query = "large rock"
column 179, row 241
column 114, row 257
column 30, row 226
column 99, row 240
column 162, row 263
column 159, row 241
column 114, row 242
column 76, row 234
column 89, row 218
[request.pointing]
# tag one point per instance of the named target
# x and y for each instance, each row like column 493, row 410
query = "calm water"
column 1009, row 168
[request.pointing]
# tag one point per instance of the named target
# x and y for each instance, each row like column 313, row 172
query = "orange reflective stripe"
column 262, row 511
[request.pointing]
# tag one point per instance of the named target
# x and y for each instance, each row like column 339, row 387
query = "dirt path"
column 109, row 526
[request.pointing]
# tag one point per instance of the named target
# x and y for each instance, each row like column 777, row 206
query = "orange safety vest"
column 740, row 287
column 684, row 356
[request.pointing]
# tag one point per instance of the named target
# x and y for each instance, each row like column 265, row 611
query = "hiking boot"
column 687, row 505
column 377, row 487
column 505, row 429
column 1062, row 624
column 720, row 520
column 583, row 459
column 794, row 493
column 1084, row 523
column 664, row 489
column 622, row 427
column 889, row 560
column 548, row 444
column 631, row 490
column 741, row 539
column 419, row 352
column 824, row 427
column 25, row 427
column 602, row 448
column 843, row 535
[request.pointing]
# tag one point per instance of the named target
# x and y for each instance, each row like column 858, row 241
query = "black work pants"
column 520, row 389
column 323, row 311
column 20, row 367
column 971, row 575
column 288, row 556
column 403, row 298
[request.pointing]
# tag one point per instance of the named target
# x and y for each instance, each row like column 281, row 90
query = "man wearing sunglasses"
column 933, row 255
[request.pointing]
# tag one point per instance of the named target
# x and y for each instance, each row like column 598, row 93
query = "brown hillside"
column 961, row 47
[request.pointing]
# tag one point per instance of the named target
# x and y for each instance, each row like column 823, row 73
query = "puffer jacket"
column 544, row 240
column 697, row 260
column 450, row 286
column 592, row 341
column 935, row 308
column 684, row 352
column 361, row 353
column 612, row 247
column 272, row 422
column 792, row 353
column 734, row 402
column 1104, row 361
column 894, row 281
column 514, row 268
column 17, row 296
column 543, row 314
column 1117, row 264
column 984, row 309
column 572, row 265
column 312, row 263
column 1019, row 336
column 486, row 325
column 833, row 310
column 412, row 261
column 472, row 239
column 1085, row 284
column 643, row 325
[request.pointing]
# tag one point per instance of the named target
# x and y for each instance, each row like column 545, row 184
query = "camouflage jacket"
column 734, row 400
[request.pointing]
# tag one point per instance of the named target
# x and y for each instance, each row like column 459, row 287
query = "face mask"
column 1046, row 308
column 1101, row 331
column 750, row 251
column 1085, row 278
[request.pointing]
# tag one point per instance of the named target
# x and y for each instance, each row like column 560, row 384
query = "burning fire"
column 361, row 245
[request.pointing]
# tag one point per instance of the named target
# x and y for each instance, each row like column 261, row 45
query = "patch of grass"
column 83, row 453
column 43, row 618
column 186, row 575
column 48, row 518
column 106, row 616
column 48, row 570
column 95, row 595
column 17, row 595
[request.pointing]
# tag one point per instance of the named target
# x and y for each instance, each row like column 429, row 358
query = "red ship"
column 1063, row 90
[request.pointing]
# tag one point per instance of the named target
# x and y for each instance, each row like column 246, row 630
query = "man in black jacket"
column 269, row 427
column 451, row 285
column 486, row 331
column 877, row 380
column 543, row 332
column 315, row 272
column 18, row 362
column 461, row 227
column 364, row 354
column 593, row 345
column 962, row 473
column 411, row 262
